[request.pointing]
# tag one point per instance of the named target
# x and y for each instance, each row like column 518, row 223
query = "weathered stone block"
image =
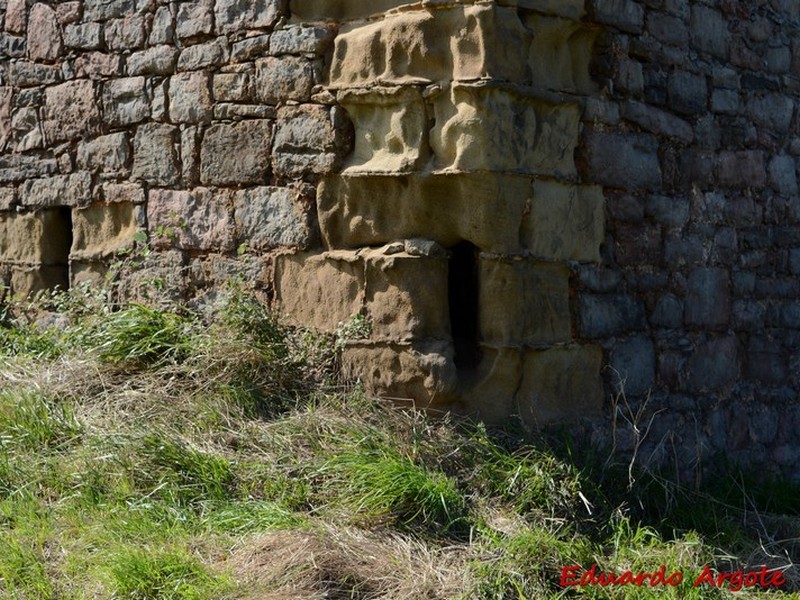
column 603, row 316
column 98, row 65
column 301, row 39
column 332, row 10
column 158, row 60
column 709, row 31
column 194, row 18
column 58, row 190
column 12, row 46
column 741, row 169
column 658, row 121
column 84, row 36
column 406, row 296
column 284, row 78
column 23, row 73
column 162, row 30
column 633, row 365
column 70, row 111
column 708, row 302
column 391, row 130
column 189, row 220
column 20, row 167
column 190, row 98
column 773, row 111
column 626, row 15
column 233, row 87
column 26, row 129
column 125, row 101
column 783, row 175
column 44, row 34
column 488, row 393
column 713, row 365
column 566, row 222
column 34, row 238
column 421, row 373
column 68, row 12
column 514, row 133
column 485, row 209
column 235, row 15
column 8, row 198
column 236, row 153
column 102, row 10
column 270, row 217
column 155, row 158
column 16, row 19
column 688, row 93
column 200, row 56
column 125, row 34
column 122, row 193
column 560, row 383
column 108, row 155
column 306, row 140
column 523, row 303
column 625, row 161
column 250, row 48
column 320, row 290
column 101, row 230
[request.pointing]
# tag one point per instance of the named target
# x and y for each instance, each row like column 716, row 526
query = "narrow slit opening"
column 463, row 297
column 61, row 239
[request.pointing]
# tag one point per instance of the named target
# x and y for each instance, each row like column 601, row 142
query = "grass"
column 167, row 454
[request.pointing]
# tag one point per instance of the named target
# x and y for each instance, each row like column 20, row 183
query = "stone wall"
column 531, row 203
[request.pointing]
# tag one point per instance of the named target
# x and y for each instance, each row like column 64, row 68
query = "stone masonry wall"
column 533, row 204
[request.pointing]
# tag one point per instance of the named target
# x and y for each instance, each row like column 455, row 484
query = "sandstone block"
column 485, row 209
column 101, row 230
column 189, row 220
column 235, row 15
column 70, row 111
column 125, row 101
column 236, row 153
column 406, row 296
column 566, row 222
column 320, row 290
column 391, row 130
column 283, row 78
column 158, row 60
column 513, row 134
column 422, row 373
column 154, row 156
column 102, row 10
column 625, row 161
column 189, row 98
column 8, row 198
column 459, row 43
column 108, row 155
column 34, row 238
column 270, row 217
column 301, row 39
column 26, row 281
column 125, row 34
column 194, row 18
column 523, row 303
column 200, row 56
column 84, row 36
column 560, row 54
column 560, row 383
column 44, row 34
column 488, row 393
column 58, row 190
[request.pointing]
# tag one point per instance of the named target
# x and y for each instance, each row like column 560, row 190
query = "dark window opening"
column 60, row 241
column 463, row 292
